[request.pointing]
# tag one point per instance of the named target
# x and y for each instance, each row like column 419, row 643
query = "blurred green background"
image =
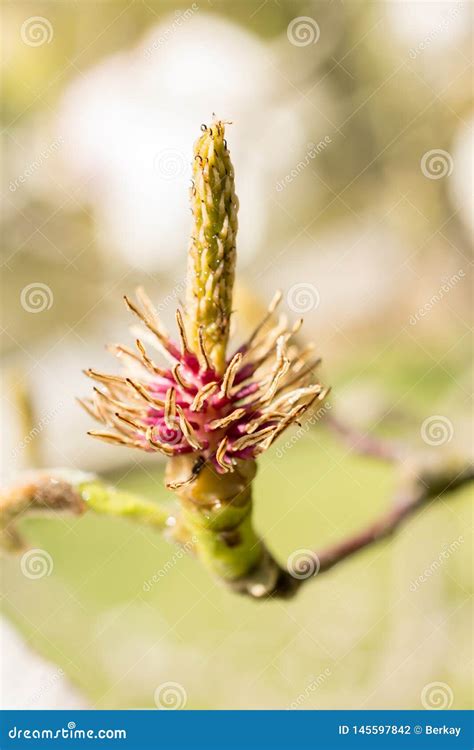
column 336, row 110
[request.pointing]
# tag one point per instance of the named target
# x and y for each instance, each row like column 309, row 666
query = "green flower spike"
column 211, row 259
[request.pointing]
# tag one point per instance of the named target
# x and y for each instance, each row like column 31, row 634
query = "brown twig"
column 45, row 492
column 389, row 522
column 428, row 486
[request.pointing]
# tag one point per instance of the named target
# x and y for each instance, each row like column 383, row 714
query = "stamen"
column 89, row 408
column 119, row 349
column 110, row 437
column 171, row 354
column 217, row 423
column 104, row 377
column 268, row 416
column 177, row 485
column 188, row 431
column 202, row 354
column 149, row 362
column 296, row 327
column 170, row 408
column 230, row 374
column 281, row 368
column 220, row 456
column 178, row 377
column 202, row 395
column 102, row 412
column 296, row 413
column 288, row 399
column 182, row 333
column 265, row 349
column 324, row 393
column 129, row 422
column 300, row 375
column 116, row 403
column 162, row 338
column 139, row 388
column 247, row 440
column 289, row 419
column 151, row 311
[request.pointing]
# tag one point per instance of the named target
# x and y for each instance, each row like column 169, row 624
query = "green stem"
column 216, row 510
column 60, row 490
column 104, row 499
